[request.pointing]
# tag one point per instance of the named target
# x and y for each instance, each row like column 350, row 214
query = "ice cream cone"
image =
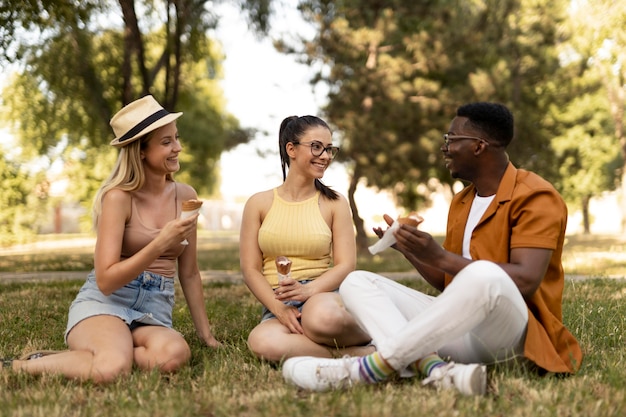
column 283, row 267
column 190, row 207
column 388, row 239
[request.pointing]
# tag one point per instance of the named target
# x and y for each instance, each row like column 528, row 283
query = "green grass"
column 589, row 255
column 230, row 382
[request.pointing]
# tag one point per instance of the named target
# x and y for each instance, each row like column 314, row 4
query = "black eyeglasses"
column 317, row 149
column 448, row 138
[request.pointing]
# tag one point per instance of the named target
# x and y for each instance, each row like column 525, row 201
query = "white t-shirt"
column 479, row 206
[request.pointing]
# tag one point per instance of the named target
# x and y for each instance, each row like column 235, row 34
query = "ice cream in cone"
column 283, row 267
column 190, row 207
column 388, row 239
column 413, row 219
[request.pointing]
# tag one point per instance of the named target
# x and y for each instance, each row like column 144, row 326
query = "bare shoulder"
column 259, row 204
column 116, row 196
column 261, row 198
column 335, row 209
column 340, row 201
column 116, row 203
column 186, row 192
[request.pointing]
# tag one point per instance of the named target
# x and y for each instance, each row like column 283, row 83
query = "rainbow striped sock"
column 428, row 363
column 374, row 368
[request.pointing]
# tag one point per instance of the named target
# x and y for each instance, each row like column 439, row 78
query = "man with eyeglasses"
column 499, row 272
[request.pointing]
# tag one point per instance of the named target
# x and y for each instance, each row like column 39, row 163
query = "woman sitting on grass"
column 305, row 221
column 123, row 313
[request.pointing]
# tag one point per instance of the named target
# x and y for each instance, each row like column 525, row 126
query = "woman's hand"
column 292, row 290
column 212, row 342
column 177, row 230
column 289, row 316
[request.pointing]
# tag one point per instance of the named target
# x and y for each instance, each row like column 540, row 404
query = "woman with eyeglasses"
column 310, row 224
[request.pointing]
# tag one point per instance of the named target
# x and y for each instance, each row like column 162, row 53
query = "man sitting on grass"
column 499, row 271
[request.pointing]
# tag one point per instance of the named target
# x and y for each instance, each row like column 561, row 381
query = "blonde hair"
column 128, row 174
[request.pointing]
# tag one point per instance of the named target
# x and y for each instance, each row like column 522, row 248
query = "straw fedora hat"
column 139, row 118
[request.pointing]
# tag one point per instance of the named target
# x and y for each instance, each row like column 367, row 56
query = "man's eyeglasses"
column 317, row 149
column 448, row 138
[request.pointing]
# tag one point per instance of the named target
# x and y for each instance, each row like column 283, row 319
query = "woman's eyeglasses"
column 317, row 149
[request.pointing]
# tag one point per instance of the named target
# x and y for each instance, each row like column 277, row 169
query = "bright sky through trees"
column 262, row 87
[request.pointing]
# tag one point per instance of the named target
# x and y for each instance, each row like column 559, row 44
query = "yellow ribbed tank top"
column 298, row 231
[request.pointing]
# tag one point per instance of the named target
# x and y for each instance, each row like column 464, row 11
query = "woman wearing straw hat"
column 123, row 313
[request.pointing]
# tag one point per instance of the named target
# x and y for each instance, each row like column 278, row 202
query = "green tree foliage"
column 511, row 56
column 588, row 159
column 597, row 52
column 587, row 152
column 19, row 203
column 379, row 60
column 79, row 62
column 398, row 70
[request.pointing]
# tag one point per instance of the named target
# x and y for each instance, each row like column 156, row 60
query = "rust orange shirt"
column 527, row 212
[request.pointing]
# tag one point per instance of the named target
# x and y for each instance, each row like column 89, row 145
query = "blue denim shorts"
column 146, row 300
column 266, row 315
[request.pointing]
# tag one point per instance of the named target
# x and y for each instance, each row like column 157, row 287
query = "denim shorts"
column 146, row 300
column 266, row 315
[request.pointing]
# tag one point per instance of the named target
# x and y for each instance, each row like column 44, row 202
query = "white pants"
column 480, row 317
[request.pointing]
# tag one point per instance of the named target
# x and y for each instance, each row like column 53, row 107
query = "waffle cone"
column 191, row 205
column 412, row 219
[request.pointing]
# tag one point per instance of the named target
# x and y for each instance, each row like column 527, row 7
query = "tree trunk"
column 134, row 42
column 585, row 211
column 622, row 200
column 361, row 237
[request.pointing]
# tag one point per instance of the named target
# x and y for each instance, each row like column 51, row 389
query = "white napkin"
column 387, row 240
column 184, row 215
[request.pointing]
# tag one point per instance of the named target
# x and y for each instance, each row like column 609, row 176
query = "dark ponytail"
column 291, row 130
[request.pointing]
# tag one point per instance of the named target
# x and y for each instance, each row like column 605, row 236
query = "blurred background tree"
column 20, row 200
column 398, row 70
column 395, row 70
column 598, row 54
column 79, row 62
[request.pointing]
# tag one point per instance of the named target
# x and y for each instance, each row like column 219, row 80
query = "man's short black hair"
column 494, row 119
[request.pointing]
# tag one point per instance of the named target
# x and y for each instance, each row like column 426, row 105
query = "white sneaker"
column 321, row 374
column 470, row 379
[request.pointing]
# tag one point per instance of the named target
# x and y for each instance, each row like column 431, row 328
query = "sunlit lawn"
column 589, row 255
column 230, row 382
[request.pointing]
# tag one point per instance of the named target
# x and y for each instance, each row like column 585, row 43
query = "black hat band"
column 143, row 124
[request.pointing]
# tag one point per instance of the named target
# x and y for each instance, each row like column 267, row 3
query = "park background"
column 565, row 56
column 558, row 64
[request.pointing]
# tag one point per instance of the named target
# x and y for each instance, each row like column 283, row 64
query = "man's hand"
column 420, row 244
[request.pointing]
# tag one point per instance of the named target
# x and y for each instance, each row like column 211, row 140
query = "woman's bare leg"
column 101, row 349
column 326, row 321
column 272, row 341
column 160, row 347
